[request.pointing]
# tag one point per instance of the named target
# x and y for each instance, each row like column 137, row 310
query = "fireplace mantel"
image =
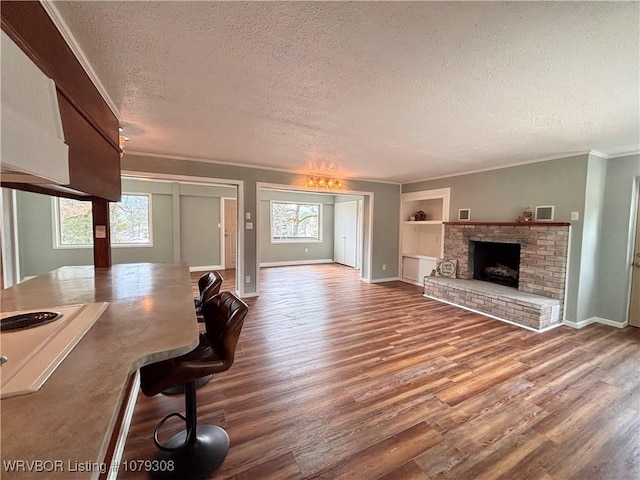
column 513, row 224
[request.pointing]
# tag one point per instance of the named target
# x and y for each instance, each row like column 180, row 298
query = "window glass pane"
column 295, row 221
column 75, row 222
column 130, row 220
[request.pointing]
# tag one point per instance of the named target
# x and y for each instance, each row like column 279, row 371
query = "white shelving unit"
column 421, row 241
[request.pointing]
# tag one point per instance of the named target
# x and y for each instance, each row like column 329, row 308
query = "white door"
column 345, row 242
column 634, row 309
column 230, row 232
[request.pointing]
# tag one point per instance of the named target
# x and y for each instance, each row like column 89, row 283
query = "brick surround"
column 543, row 256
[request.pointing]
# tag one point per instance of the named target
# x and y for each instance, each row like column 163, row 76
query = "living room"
column 499, row 103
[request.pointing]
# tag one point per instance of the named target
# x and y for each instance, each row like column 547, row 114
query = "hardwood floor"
column 336, row 378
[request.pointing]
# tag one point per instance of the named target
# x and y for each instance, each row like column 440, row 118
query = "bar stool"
column 208, row 285
column 198, row 450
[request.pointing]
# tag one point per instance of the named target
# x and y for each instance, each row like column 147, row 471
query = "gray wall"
column 35, row 238
column 36, row 233
column 295, row 252
column 385, row 209
column 618, row 231
column 599, row 189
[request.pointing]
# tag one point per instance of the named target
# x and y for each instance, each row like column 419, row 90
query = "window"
column 130, row 220
column 295, row 222
column 73, row 223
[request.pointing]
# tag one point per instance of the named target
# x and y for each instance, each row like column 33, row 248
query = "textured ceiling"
column 382, row 90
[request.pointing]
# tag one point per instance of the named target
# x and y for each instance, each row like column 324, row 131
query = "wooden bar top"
column 71, row 419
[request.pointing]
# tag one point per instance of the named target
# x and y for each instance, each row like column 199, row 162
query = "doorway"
column 313, row 252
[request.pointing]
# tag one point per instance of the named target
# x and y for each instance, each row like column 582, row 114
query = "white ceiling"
column 381, row 90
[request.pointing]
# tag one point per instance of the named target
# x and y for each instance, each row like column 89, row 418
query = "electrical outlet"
column 249, row 225
column 384, row 266
column 247, row 279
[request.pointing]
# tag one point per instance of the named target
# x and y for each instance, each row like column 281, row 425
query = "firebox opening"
column 496, row 262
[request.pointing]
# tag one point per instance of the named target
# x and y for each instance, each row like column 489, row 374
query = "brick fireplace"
column 538, row 300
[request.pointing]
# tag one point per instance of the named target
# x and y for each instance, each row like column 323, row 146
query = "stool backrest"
column 203, row 281
column 209, row 285
column 224, row 315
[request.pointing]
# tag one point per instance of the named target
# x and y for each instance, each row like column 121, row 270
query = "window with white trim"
column 295, row 222
column 130, row 220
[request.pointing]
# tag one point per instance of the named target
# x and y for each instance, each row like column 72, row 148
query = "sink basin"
column 33, row 354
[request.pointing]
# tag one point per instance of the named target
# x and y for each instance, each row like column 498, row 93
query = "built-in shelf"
column 421, row 241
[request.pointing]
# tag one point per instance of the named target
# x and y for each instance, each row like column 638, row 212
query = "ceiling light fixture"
column 324, row 182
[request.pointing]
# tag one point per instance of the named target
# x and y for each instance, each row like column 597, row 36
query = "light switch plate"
column 575, row 216
column 247, row 215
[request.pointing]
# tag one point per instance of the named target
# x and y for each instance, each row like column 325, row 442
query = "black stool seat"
column 199, row 450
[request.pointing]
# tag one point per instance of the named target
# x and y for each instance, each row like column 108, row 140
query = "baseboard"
column 205, row 268
column 589, row 321
column 296, row 262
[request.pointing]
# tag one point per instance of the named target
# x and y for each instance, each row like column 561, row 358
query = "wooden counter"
column 73, row 417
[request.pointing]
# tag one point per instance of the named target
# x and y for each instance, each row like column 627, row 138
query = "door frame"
column 9, row 236
column 634, row 227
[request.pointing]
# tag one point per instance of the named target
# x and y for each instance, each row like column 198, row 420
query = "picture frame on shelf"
column 464, row 214
column 544, row 213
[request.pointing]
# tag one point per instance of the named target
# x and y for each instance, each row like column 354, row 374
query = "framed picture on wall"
column 544, row 213
column 464, row 214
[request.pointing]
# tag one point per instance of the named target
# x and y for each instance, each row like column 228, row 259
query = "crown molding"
column 247, row 165
column 62, row 27
column 599, row 154
column 626, row 154
column 509, row 165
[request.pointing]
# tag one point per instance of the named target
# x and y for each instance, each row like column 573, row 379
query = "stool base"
column 197, row 460
column 200, row 382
